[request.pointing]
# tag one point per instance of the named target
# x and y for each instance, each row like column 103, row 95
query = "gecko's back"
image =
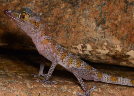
column 34, row 27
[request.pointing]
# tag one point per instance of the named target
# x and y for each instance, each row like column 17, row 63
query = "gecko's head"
column 26, row 19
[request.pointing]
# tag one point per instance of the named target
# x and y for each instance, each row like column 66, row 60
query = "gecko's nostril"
column 6, row 11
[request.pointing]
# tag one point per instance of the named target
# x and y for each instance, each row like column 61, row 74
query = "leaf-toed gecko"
column 34, row 27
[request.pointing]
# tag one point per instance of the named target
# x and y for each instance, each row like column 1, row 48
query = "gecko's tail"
column 94, row 74
column 113, row 79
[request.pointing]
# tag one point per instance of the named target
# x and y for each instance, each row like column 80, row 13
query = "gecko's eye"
column 24, row 16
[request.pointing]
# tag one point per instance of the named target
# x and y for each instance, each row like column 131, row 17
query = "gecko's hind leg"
column 87, row 93
column 84, row 87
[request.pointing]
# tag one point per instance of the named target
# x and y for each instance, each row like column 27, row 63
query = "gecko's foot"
column 49, row 82
column 38, row 75
column 87, row 93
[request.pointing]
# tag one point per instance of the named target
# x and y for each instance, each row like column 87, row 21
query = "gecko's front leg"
column 42, row 65
column 48, row 75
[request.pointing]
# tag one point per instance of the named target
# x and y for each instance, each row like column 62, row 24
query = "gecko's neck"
column 36, row 37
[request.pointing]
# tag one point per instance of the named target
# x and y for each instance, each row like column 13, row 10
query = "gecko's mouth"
column 9, row 13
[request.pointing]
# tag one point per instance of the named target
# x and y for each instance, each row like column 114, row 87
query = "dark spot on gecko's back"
column 64, row 54
column 70, row 60
column 88, row 67
column 78, row 63
column 132, row 81
column 115, row 79
column 99, row 75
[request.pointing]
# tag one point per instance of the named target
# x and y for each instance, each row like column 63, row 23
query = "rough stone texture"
column 16, row 67
column 98, row 31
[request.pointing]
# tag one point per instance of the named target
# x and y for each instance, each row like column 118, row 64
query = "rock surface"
column 16, row 67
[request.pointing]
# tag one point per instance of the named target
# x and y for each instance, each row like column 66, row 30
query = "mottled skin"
column 34, row 27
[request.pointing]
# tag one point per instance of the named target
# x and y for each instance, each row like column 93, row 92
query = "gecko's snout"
column 7, row 11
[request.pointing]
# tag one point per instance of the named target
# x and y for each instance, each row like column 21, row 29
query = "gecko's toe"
column 49, row 82
column 87, row 93
column 38, row 75
column 38, row 80
column 32, row 75
column 35, row 75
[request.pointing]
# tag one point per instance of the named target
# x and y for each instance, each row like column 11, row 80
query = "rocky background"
column 93, row 30
column 98, row 31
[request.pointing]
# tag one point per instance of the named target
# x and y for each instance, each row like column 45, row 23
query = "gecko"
column 32, row 24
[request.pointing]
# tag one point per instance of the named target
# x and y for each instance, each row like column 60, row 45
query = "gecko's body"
column 34, row 27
